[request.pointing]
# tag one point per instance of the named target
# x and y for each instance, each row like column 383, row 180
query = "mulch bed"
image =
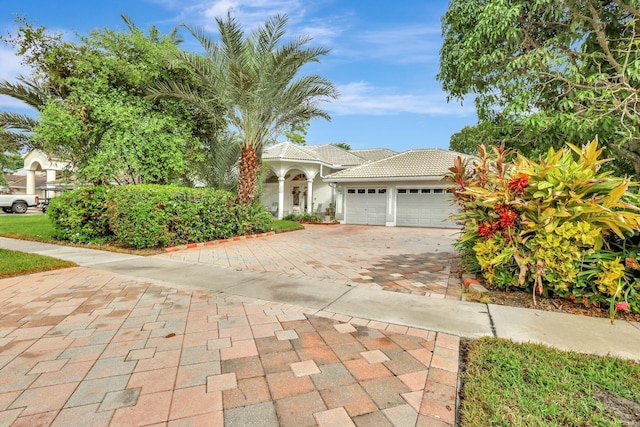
column 525, row 300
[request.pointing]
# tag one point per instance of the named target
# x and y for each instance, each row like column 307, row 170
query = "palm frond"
column 27, row 90
column 15, row 121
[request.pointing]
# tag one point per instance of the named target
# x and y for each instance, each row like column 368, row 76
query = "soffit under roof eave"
column 388, row 178
column 274, row 160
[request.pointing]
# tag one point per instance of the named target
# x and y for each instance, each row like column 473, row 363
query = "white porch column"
column 31, row 182
column 309, row 195
column 51, row 177
column 280, row 196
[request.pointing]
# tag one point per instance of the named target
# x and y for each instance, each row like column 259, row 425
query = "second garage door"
column 366, row 206
column 424, row 207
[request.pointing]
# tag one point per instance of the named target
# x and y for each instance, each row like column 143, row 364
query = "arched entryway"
column 37, row 161
column 289, row 190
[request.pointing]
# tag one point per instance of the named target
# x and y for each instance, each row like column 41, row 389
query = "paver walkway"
column 408, row 260
column 82, row 347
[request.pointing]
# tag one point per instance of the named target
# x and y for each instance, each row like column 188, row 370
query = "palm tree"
column 252, row 83
column 15, row 129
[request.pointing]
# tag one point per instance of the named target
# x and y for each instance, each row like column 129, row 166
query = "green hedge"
column 80, row 216
column 145, row 216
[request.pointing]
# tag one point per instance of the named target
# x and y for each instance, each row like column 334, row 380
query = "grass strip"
column 282, row 226
column 509, row 384
column 27, row 227
column 40, row 229
column 15, row 263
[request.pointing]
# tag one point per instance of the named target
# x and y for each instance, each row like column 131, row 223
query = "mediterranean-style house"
column 374, row 187
column 40, row 175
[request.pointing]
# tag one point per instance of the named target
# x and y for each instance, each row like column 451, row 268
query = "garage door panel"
column 424, row 209
column 368, row 208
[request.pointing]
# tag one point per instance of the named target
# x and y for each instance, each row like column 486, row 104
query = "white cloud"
column 250, row 13
column 360, row 98
column 220, row 8
column 11, row 66
column 10, row 70
column 407, row 44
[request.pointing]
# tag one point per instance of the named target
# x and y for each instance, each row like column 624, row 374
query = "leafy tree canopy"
column 546, row 72
column 95, row 113
column 298, row 133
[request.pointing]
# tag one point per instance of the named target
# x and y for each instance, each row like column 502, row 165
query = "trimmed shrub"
column 557, row 227
column 148, row 216
column 79, row 216
column 303, row 217
column 144, row 216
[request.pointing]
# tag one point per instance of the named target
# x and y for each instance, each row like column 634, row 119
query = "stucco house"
column 374, row 187
column 40, row 175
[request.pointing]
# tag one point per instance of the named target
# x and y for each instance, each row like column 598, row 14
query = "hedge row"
column 146, row 216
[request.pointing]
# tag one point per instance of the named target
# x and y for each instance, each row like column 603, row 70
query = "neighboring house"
column 376, row 187
column 38, row 161
column 17, row 183
column 40, row 176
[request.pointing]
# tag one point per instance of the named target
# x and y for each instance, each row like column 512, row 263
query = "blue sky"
column 383, row 60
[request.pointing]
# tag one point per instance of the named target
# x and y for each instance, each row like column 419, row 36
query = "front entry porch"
column 295, row 191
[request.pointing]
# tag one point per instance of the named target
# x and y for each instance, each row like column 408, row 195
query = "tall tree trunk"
column 248, row 174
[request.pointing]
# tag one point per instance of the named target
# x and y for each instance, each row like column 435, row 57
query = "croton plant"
column 556, row 227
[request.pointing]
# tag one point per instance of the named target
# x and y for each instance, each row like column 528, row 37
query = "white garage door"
column 366, row 206
column 424, row 207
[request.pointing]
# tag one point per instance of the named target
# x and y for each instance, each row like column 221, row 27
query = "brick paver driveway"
column 411, row 260
column 87, row 347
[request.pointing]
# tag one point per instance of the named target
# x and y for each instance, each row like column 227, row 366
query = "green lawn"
column 27, row 227
column 281, row 226
column 39, row 228
column 507, row 384
column 16, row 263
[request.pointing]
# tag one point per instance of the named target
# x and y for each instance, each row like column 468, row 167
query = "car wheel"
column 7, row 210
column 19, row 207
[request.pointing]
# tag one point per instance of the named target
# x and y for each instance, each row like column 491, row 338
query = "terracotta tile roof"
column 409, row 164
column 373, row 154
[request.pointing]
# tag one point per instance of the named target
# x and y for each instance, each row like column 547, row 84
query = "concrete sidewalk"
column 129, row 340
column 460, row 318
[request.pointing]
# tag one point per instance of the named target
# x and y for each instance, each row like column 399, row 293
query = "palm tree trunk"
column 248, row 174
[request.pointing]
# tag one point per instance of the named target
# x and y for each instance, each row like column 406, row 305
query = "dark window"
column 426, row 190
column 449, row 191
column 438, row 190
column 414, row 191
column 402, row 191
column 371, row 191
column 382, row 191
column 351, row 191
column 360, row 190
